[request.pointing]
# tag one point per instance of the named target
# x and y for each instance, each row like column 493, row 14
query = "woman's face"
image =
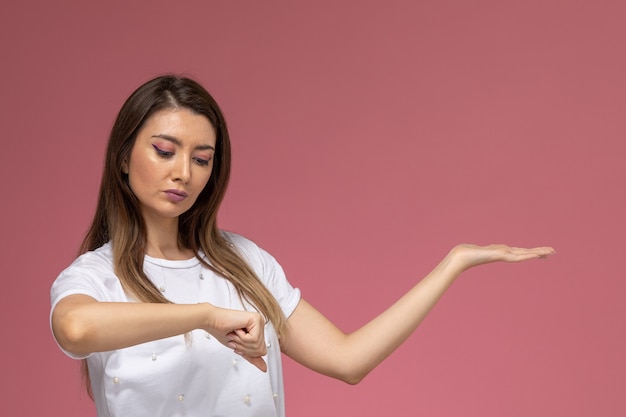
column 170, row 163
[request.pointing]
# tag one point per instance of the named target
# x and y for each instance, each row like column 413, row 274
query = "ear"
column 125, row 167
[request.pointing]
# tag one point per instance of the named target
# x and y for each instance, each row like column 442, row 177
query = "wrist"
column 458, row 259
column 207, row 316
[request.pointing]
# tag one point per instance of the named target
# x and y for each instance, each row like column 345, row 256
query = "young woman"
column 173, row 316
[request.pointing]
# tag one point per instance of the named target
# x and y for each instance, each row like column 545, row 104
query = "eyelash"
column 200, row 161
column 162, row 153
column 167, row 154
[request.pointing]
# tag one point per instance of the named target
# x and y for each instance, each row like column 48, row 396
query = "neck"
column 162, row 240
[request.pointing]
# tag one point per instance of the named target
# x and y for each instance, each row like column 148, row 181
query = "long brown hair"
column 118, row 219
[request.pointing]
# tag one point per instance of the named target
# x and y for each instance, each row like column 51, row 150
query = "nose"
column 181, row 171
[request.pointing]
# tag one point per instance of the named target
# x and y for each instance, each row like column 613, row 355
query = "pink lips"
column 175, row 196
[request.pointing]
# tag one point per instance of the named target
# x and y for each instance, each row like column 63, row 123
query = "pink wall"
column 370, row 137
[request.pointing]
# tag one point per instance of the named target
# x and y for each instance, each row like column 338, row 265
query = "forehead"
column 182, row 124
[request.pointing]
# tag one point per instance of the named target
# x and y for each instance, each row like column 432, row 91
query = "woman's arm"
column 315, row 342
column 83, row 325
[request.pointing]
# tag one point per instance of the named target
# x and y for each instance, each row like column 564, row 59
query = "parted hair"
column 118, row 218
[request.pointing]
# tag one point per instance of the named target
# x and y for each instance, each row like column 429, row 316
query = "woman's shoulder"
column 238, row 241
column 268, row 270
column 247, row 248
column 96, row 265
column 92, row 273
column 97, row 258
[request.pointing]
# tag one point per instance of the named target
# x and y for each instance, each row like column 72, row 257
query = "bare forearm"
column 318, row 344
column 86, row 327
column 376, row 340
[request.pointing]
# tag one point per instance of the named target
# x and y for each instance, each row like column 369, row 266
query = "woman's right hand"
column 82, row 325
column 242, row 331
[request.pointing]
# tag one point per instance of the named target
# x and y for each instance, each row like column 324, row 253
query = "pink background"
column 369, row 138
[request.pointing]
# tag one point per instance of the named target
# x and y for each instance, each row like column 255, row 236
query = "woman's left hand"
column 472, row 255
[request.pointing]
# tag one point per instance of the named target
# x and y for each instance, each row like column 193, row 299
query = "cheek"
column 201, row 185
column 142, row 174
column 203, row 176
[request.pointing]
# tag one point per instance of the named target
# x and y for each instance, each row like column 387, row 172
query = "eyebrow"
column 177, row 141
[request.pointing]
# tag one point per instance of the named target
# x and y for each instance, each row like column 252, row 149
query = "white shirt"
column 172, row 377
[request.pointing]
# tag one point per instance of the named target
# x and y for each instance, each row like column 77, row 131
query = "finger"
column 548, row 250
column 241, row 335
column 247, row 339
column 242, row 332
column 250, row 348
column 522, row 254
column 540, row 251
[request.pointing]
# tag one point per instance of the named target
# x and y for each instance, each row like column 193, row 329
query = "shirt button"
column 181, row 397
column 246, row 400
column 154, row 357
column 116, row 380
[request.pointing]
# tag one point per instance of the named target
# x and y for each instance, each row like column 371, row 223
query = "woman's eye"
column 202, row 161
column 161, row 152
